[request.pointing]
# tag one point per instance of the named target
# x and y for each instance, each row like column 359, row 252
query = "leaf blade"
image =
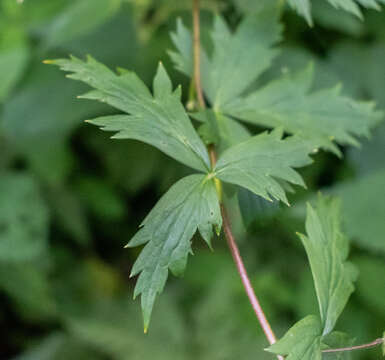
column 190, row 205
column 158, row 120
column 302, row 341
column 324, row 116
column 255, row 163
column 327, row 249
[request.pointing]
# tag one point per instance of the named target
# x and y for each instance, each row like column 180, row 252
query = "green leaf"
column 255, row 208
column 228, row 72
column 336, row 340
column 220, row 130
column 364, row 223
column 70, row 24
column 23, row 218
column 327, row 249
column 159, row 120
column 301, row 342
column 322, row 116
column 370, row 283
column 190, row 204
column 29, row 287
column 303, row 7
column 183, row 57
column 13, row 61
column 256, row 163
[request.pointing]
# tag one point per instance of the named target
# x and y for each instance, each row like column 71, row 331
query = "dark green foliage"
column 71, row 198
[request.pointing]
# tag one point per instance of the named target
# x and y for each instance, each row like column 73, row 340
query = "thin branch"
column 357, row 347
column 245, row 279
column 197, row 54
column 226, row 223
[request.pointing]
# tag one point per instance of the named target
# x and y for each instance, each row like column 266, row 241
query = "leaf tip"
column 48, row 61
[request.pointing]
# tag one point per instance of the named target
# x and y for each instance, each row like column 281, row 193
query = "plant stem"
column 226, row 223
column 357, row 347
column 197, row 54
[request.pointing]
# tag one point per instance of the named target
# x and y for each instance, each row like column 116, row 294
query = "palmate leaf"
column 256, row 163
column 327, row 249
column 159, row 120
column 303, row 7
column 323, row 116
column 237, row 58
column 190, row 205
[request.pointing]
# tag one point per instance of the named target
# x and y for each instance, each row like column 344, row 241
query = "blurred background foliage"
column 70, row 198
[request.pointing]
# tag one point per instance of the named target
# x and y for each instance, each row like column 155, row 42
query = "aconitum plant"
column 222, row 150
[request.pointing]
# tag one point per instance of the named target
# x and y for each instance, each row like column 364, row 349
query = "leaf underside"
column 190, row 205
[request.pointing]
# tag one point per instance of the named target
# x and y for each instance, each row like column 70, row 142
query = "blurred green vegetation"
column 70, row 198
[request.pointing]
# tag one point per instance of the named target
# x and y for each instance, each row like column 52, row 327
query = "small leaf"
column 190, row 205
column 256, row 163
column 327, row 249
column 324, row 116
column 159, row 120
column 301, row 342
column 229, row 71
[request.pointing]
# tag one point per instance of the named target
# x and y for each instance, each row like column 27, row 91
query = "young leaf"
column 322, row 116
column 327, row 249
column 301, row 342
column 255, row 163
column 303, row 7
column 158, row 120
column 190, row 204
column 230, row 71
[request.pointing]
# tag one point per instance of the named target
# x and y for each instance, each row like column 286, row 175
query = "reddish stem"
column 246, row 281
column 357, row 347
column 226, row 223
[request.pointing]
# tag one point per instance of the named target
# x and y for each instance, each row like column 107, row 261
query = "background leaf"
column 23, row 218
